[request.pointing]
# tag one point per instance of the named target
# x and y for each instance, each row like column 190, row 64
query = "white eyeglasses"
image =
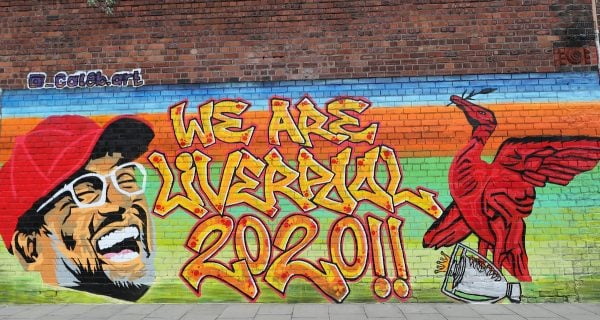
column 89, row 190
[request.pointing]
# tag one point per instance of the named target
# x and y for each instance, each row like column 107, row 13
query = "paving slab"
column 108, row 310
column 49, row 317
column 357, row 309
column 531, row 310
column 239, row 310
column 418, row 308
column 35, row 311
column 383, row 311
column 425, row 316
column 204, row 308
column 127, row 317
column 455, row 310
column 9, row 310
column 140, row 308
column 594, row 308
column 347, row 316
column 189, row 316
column 273, row 317
column 568, row 310
column 71, row 309
column 276, row 309
column 311, row 310
column 171, row 311
column 204, row 312
column 93, row 317
column 503, row 317
column 582, row 317
column 491, row 309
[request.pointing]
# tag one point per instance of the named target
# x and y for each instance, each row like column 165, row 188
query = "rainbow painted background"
column 562, row 232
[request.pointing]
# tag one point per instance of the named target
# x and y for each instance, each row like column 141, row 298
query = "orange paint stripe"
column 411, row 131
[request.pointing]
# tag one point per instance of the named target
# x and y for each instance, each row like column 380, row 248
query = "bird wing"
column 542, row 159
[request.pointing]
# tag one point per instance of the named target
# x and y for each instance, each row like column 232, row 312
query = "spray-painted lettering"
column 339, row 184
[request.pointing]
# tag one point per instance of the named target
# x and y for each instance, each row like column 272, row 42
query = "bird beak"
column 458, row 101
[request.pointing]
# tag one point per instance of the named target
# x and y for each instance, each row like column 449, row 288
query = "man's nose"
column 116, row 202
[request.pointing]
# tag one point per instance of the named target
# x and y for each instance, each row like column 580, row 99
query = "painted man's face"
column 101, row 245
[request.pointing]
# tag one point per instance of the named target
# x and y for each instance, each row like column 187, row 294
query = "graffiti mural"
column 303, row 191
column 254, row 183
column 78, row 214
column 492, row 200
column 471, row 277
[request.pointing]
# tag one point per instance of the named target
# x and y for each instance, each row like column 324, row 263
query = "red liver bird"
column 491, row 200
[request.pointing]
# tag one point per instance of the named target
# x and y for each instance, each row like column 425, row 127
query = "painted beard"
column 116, row 246
column 97, row 282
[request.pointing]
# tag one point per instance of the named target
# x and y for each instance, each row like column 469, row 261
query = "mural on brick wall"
column 74, row 205
column 297, row 193
column 256, row 181
column 492, row 200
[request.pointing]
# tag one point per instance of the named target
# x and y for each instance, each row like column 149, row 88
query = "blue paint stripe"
column 382, row 92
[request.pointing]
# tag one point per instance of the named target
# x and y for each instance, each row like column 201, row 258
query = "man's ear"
column 25, row 248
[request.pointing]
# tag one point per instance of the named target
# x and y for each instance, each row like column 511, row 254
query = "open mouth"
column 120, row 245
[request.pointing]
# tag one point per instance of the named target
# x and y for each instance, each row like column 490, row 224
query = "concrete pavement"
column 346, row 311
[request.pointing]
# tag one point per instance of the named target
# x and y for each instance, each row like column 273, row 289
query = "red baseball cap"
column 53, row 151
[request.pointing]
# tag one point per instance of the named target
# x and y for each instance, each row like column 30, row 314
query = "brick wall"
column 220, row 41
column 299, row 152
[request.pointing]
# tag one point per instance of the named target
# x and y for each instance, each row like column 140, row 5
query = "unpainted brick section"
column 230, row 41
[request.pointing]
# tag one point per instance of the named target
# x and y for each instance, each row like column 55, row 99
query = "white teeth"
column 112, row 238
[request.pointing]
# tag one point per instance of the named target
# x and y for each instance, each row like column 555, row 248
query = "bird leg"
column 516, row 259
column 484, row 247
column 509, row 248
column 499, row 230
